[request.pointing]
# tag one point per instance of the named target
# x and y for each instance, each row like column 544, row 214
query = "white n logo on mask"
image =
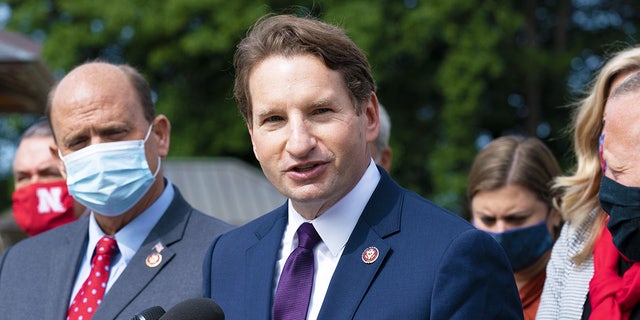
column 49, row 200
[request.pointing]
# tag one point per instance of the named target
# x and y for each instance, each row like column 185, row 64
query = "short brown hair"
column 288, row 35
column 523, row 161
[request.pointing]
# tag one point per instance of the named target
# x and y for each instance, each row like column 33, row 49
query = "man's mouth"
column 304, row 168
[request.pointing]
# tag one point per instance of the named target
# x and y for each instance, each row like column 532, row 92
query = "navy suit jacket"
column 38, row 273
column 432, row 265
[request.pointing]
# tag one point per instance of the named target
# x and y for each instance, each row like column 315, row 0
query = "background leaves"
column 453, row 74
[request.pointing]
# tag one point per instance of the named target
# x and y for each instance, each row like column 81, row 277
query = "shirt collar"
column 131, row 236
column 336, row 224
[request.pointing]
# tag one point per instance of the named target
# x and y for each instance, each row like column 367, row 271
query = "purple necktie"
column 294, row 288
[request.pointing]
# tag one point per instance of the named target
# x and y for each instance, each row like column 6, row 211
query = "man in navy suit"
column 111, row 144
column 308, row 98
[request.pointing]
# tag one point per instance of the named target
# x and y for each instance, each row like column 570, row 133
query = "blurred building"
column 24, row 78
column 24, row 83
column 226, row 188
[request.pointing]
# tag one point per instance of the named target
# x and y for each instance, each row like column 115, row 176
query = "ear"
column 161, row 131
column 53, row 149
column 370, row 110
column 555, row 217
column 554, row 222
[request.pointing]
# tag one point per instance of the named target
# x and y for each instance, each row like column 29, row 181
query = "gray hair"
column 382, row 141
column 41, row 128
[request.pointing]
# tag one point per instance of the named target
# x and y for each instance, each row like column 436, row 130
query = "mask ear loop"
column 158, row 167
column 148, row 132
column 145, row 141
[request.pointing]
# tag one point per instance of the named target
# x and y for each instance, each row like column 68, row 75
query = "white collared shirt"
column 334, row 227
column 129, row 239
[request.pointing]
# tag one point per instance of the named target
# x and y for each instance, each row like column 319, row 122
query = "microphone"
column 153, row 313
column 195, row 309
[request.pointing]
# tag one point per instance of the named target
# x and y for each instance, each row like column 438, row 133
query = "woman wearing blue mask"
column 510, row 198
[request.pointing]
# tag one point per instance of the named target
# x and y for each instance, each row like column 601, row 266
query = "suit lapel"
column 260, row 265
column 138, row 274
column 132, row 281
column 62, row 276
column 353, row 276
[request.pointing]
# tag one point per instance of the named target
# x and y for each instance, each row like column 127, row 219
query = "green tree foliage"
column 452, row 73
column 183, row 47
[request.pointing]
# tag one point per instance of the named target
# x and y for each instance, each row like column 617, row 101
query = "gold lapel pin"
column 154, row 259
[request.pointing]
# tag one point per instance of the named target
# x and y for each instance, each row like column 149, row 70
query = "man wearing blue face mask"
column 143, row 244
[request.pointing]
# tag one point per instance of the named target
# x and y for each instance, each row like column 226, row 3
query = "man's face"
column 621, row 145
column 305, row 132
column 96, row 104
column 34, row 163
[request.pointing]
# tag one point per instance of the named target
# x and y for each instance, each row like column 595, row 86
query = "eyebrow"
column 263, row 113
column 630, row 84
column 101, row 131
column 49, row 169
column 270, row 110
column 320, row 103
column 52, row 169
column 511, row 214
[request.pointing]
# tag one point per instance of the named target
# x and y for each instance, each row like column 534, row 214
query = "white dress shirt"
column 129, row 239
column 334, row 227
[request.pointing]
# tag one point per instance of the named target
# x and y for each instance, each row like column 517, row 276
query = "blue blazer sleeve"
column 474, row 287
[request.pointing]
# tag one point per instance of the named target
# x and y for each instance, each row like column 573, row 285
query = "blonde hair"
column 580, row 189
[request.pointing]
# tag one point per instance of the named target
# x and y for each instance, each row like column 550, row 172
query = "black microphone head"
column 195, row 309
column 153, row 313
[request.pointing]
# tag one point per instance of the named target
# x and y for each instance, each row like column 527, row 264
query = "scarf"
column 612, row 296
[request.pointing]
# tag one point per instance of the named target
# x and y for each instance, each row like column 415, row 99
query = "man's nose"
column 301, row 139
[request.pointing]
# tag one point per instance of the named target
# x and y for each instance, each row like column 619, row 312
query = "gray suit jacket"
column 37, row 274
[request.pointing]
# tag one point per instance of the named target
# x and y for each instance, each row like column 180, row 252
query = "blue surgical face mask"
column 524, row 246
column 109, row 178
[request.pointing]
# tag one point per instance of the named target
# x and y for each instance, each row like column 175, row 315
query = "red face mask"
column 39, row 207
